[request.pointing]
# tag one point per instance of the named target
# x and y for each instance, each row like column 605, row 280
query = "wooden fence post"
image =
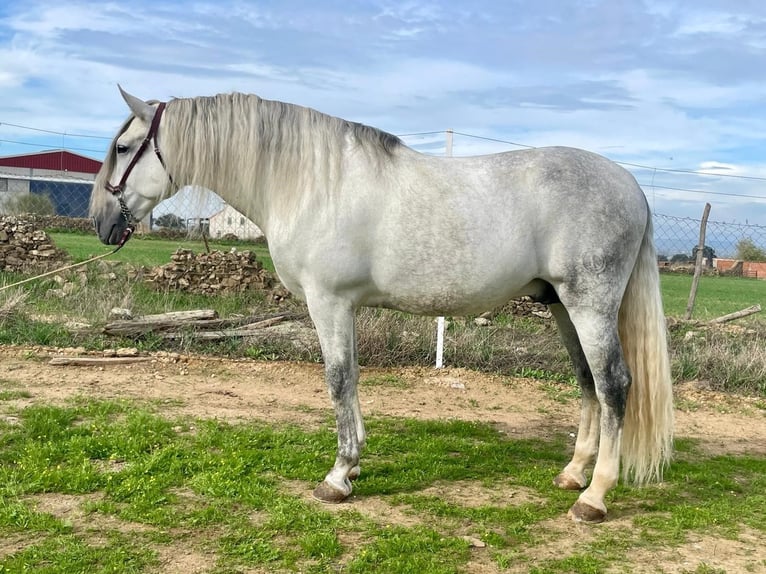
column 698, row 263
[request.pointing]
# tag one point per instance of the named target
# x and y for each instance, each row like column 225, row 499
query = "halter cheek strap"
column 119, row 189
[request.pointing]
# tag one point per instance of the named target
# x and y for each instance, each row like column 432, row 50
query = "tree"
column 708, row 253
column 170, row 221
column 747, row 250
column 30, row 203
column 680, row 258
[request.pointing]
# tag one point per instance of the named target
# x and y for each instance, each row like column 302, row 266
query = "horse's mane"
column 236, row 143
column 241, row 144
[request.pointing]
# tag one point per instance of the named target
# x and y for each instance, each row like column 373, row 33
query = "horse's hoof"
column 566, row 481
column 330, row 494
column 354, row 473
column 584, row 512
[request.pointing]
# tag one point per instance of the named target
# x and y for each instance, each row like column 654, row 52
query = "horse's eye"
column 122, row 148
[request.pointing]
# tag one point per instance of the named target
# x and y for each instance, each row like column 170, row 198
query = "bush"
column 30, row 203
column 747, row 250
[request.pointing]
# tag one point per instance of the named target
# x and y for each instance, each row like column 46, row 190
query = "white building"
column 229, row 220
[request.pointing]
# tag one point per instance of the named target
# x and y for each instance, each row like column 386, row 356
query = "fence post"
column 440, row 320
column 698, row 263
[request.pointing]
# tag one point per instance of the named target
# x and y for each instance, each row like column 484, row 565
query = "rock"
column 482, row 322
column 474, row 542
column 25, row 247
column 126, row 352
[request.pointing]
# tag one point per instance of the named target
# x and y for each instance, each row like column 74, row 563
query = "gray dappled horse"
column 353, row 218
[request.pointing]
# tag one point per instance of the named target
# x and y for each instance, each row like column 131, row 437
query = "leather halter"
column 119, row 189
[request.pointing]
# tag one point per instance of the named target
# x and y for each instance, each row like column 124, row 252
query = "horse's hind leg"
column 586, row 447
column 334, row 322
column 596, row 327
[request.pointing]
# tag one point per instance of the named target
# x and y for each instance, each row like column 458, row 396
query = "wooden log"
column 251, row 330
column 179, row 316
column 127, row 328
column 736, row 315
column 147, row 323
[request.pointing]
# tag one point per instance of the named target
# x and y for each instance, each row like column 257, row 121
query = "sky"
column 670, row 88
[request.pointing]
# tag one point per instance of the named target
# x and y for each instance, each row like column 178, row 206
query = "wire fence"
column 675, row 237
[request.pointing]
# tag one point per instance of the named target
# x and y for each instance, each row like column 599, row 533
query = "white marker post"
column 440, row 320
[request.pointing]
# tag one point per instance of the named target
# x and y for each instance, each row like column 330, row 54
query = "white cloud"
column 715, row 23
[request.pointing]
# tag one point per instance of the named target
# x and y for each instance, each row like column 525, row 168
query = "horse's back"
column 510, row 218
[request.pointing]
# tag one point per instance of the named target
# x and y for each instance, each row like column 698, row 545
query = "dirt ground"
column 295, row 392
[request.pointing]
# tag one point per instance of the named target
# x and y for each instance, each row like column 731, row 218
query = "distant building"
column 52, row 163
column 230, row 221
column 65, row 177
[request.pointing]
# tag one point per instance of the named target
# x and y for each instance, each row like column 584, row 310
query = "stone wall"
column 215, row 272
column 24, row 247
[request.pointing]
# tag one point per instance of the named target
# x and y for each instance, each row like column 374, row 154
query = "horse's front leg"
column 334, row 322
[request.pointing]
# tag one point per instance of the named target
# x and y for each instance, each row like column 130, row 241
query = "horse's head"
column 132, row 179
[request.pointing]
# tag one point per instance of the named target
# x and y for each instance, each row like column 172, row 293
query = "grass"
column 148, row 251
column 134, row 485
column 716, row 296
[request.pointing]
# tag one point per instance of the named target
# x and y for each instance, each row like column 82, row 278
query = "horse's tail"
column 647, row 438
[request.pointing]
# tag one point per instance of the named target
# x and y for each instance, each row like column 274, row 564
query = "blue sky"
column 672, row 84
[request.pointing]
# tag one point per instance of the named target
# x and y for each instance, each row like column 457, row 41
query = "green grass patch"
column 716, row 296
column 149, row 251
column 237, row 486
column 14, row 395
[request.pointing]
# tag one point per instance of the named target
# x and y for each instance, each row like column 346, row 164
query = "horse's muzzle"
column 111, row 232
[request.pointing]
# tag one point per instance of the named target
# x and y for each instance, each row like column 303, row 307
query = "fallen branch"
column 736, row 315
column 196, row 315
column 249, row 330
column 169, row 322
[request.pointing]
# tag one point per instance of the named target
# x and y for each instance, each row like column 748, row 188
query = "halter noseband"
column 119, row 189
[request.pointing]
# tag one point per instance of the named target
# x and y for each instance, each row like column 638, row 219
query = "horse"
column 354, row 217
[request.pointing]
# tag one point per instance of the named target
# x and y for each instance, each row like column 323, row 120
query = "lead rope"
column 123, row 240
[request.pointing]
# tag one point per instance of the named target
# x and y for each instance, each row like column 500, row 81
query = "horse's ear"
column 140, row 108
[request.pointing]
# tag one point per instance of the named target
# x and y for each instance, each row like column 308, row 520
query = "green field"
column 147, row 251
column 716, row 296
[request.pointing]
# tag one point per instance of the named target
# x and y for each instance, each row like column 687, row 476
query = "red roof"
column 57, row 160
